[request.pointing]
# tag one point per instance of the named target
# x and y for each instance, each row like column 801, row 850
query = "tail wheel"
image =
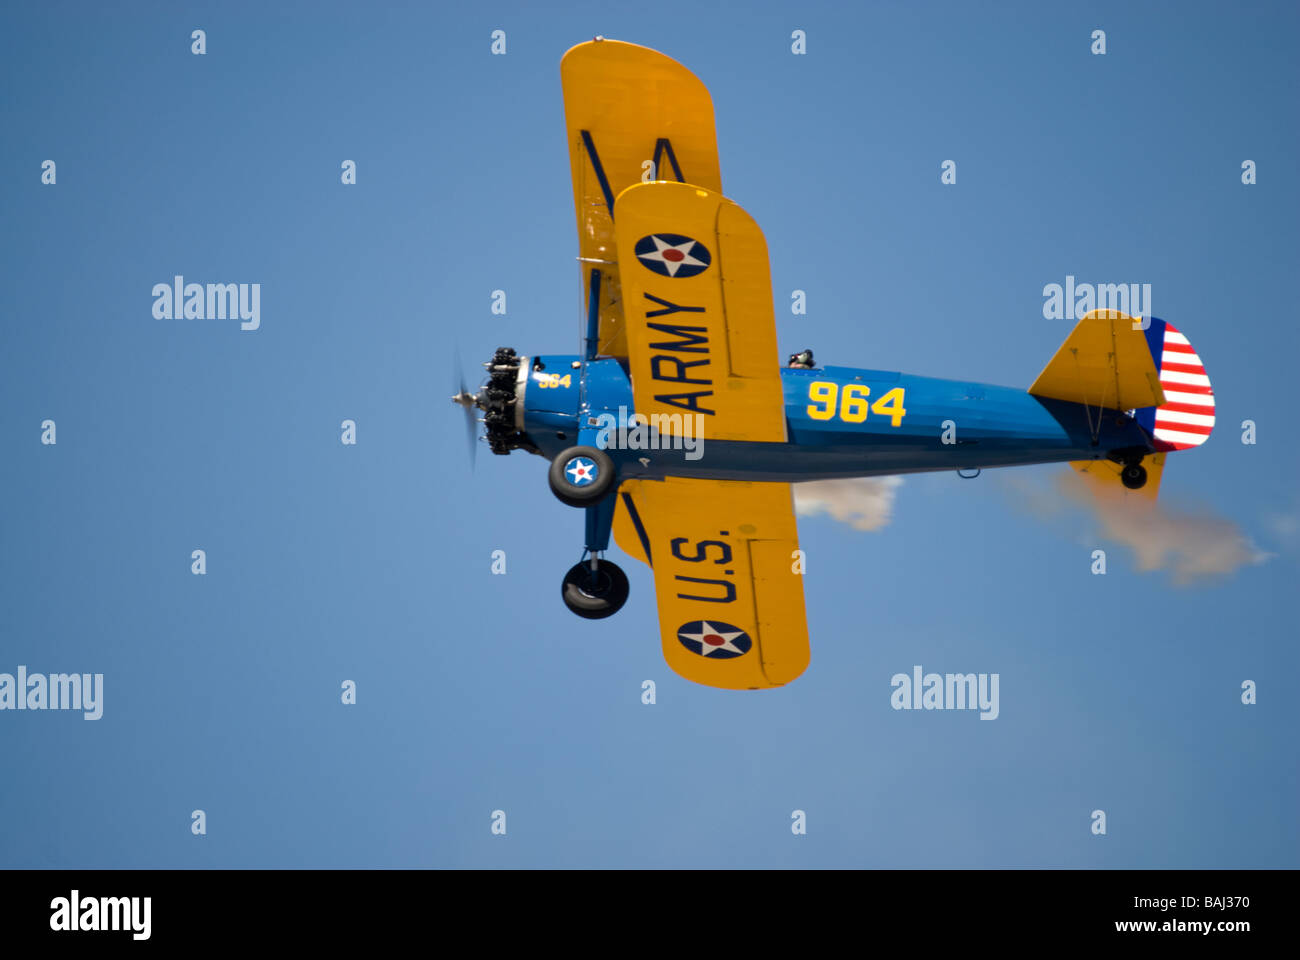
column 1134, row 476
column 581, row 476
column 595, row 593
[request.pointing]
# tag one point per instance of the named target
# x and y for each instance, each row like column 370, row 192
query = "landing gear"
column 595, row 589
column 581, row 476
column 1133, row 476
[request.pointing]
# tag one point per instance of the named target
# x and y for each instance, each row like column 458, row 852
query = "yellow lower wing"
column 697, row 299
column 725, row 556
column 1104, row 362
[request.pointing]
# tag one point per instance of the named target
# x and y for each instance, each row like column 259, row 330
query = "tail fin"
column 1105, row 362
column 1182, row 414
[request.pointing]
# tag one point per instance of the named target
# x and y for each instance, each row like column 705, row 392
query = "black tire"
column 581, row 489
column 1134, row 476
column 596, row 594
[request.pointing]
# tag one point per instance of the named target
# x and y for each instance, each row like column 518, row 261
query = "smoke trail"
column 1191, row 545
column 864, row 503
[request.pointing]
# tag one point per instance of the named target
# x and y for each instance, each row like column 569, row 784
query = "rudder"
column 1186, row 418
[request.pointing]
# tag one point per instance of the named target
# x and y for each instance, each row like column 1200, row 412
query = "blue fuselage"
column 840, row 422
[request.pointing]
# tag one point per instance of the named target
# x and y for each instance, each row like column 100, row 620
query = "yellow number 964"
column 853, row 404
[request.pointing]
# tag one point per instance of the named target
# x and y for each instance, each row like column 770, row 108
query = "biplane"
column 680, row 342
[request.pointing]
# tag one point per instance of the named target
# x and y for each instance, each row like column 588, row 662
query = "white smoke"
column 1191, row 545
column 864, row 503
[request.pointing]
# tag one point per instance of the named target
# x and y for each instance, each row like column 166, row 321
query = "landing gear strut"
column 583, row 476
column 595, row 589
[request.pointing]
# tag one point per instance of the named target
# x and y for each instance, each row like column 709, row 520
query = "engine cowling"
column 501, row 401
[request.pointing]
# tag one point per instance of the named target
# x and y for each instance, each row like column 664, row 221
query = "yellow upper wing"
column 628, row 107
column 697, row 298
column 1104, row 362
column 731, row 607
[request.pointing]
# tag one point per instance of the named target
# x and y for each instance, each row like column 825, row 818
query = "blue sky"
column 371, row 562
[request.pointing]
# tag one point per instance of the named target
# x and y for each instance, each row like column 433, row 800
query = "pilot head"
column 803, row 359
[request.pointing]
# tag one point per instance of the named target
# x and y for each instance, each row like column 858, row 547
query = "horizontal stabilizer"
column 1104, row 362
column 1102, row 477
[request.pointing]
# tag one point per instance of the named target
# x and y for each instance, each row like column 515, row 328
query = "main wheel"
column 1134, row 476
column 595, row 594
column 581, row 476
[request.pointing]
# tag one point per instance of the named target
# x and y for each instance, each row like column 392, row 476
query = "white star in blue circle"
column 581, row 471
column 672, row 254
column 714, row 639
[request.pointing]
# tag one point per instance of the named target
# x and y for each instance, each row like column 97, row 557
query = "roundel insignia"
column 673, row 255
column 714, row 639
column 582, row 472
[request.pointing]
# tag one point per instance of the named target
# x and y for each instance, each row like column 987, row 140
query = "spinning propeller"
column 471, row 403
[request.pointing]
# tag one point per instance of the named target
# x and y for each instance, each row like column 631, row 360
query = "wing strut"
column 593, row 316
